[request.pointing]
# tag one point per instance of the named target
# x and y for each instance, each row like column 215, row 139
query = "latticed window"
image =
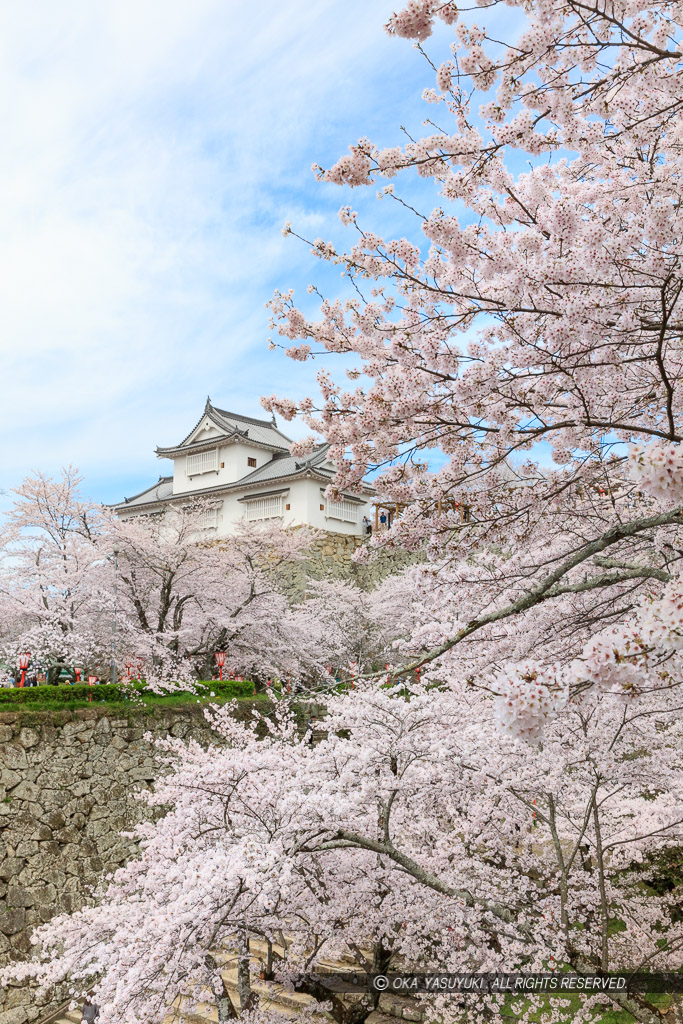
column 346, row 511
column 202, row 462
column 264, row 508
column 208, row 520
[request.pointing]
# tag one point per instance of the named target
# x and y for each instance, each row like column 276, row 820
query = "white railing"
column 202, row 462
column 264, row 508
column 346, row 511
column 208, row 520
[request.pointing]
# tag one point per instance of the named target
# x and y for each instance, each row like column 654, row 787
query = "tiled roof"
column 279, row 468
column 288, row 465
column 263, row 432
column 157, row 492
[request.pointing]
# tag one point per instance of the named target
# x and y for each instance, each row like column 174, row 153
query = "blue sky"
column 151, row 153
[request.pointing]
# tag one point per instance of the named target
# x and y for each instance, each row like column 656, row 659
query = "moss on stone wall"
column 331, row 557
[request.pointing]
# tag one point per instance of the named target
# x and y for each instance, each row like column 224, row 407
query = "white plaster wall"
column 182, row 483
column 204, row 430
column 233, row 511
column 229, row 515
column 298, row 502
column 318, row 519
column 304, row 498
column 234, row 458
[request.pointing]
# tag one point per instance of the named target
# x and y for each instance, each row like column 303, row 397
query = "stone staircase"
column 70, row 1017
column 392, row 1009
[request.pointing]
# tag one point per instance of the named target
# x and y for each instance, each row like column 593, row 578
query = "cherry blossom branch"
column 548, row 588
column 350, row 840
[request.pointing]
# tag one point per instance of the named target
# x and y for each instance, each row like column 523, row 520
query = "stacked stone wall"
column 68, row 781
column 331, row 557
column 67, row 790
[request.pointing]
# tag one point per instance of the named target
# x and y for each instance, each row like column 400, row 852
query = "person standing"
column 90, row 1011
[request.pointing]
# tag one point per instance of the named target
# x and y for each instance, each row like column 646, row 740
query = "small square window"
column 287, row 507
column 322, row 508
column 251, row 462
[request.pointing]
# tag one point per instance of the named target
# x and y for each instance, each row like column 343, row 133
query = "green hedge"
column 106, row 693
column 229, row 687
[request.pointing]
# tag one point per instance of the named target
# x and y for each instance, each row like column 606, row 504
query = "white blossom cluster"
column 658, row 469
column 529, row 695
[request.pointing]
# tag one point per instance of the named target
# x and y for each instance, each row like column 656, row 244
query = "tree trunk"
column 226, row 1011
column 604, row 906
column 243, row 974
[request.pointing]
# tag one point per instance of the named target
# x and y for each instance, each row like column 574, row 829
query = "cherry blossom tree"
column 528, row 331
column 413, row 837
column 510, row 811
column 186, row 596
column 357, row 629
column 55, row 586
column 69, row 570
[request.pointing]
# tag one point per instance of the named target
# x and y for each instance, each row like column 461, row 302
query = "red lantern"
column 24, row 662
column 220, row 661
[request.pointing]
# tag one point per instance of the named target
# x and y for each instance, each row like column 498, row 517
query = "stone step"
column 269, row 992
column 205, row 1013
column 258, row 949
column 274, row 997
column 403, row 1007
column 288, row 1004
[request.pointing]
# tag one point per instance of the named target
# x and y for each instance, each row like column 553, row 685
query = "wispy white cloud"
column 151, row 152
